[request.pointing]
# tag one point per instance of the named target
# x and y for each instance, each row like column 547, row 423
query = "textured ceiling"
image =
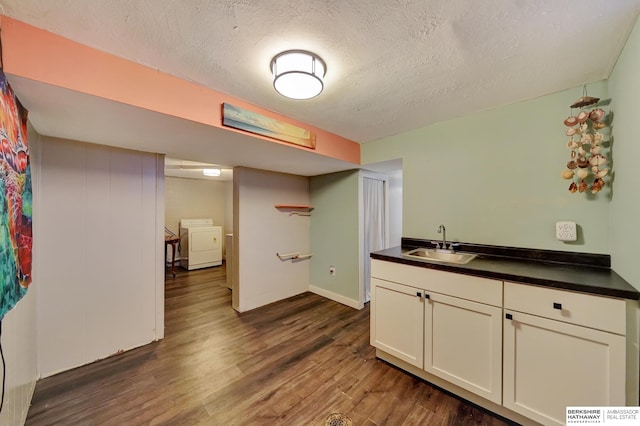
column 392, row 65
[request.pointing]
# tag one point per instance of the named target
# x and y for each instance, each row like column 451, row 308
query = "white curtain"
column 374, row 225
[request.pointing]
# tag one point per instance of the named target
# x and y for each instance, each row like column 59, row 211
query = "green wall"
column 334, row 233
column 624, row 87
column 494, row 177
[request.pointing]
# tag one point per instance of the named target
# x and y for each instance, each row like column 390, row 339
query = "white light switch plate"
column 566, row 231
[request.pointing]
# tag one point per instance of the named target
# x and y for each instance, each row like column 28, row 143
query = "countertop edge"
column 631, row 293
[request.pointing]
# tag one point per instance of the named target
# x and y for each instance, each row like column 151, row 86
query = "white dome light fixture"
column 298, row 74
column 211, row 172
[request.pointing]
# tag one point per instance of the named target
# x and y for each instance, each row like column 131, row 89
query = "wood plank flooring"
column 294, row 362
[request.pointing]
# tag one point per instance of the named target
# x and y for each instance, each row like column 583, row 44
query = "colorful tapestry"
column 15, row 200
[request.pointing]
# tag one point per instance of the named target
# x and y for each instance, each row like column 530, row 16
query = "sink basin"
column 441, row 256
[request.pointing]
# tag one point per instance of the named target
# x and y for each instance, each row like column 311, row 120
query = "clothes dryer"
column 200, row 244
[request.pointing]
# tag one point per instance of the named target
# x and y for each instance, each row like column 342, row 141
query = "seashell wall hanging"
column 586, row 167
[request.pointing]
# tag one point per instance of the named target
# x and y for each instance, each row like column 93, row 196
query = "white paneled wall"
column 100, row 235
column 261, row 230
column 18, row 343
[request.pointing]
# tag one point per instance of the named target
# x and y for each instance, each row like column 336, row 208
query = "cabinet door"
column 463, row 344
column 397, row 313
column 549, row 365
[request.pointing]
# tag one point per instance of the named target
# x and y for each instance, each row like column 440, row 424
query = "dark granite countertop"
column 570, row 276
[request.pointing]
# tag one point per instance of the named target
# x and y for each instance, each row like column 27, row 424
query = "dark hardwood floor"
column 294, row 362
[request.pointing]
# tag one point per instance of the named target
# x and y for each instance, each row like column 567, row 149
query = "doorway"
column 380, row 215
column 375, row 218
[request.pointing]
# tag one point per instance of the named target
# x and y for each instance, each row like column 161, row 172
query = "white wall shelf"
column 297, row 209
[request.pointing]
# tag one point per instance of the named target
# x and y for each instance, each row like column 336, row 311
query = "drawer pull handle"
column 508, row 316
column 419, row 294
column 426, row 296
column 557, row 306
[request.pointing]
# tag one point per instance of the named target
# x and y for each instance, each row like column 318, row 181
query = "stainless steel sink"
column 441, row 256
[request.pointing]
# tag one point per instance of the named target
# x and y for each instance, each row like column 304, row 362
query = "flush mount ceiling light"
column 211, row 172
column 298, row 74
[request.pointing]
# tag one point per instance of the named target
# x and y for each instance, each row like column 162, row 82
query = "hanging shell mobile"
column 585, row 144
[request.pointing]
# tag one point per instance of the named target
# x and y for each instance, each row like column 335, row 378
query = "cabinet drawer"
column 477, row 289
column 599, row 312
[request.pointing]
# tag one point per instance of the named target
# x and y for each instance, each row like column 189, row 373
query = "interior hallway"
column 294, row 362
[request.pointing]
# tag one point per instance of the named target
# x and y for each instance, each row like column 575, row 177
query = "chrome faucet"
column 442, row 230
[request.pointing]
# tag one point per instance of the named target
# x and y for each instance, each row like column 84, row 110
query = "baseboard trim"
column 355, row 304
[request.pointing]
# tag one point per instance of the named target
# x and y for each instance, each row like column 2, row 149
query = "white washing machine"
column 200, row 244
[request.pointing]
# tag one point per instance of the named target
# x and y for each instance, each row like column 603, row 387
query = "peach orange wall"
column 42, row 56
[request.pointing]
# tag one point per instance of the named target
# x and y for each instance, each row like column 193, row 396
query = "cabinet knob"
column 419, row 294
column 508, row 316
column 426, row 296
column 557, row 306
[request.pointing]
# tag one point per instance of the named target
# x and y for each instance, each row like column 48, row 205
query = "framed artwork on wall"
column 258, row 124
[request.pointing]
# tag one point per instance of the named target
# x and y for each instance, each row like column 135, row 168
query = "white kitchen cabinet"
column 397, row 320
column 557, row 354
column 463, row 344
column 448, row 335
column 523, row 351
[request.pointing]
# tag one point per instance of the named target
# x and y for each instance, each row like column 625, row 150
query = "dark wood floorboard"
column 294, row 362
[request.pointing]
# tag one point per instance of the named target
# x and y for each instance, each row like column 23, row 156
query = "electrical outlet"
column 566, row 231
column 332, row 271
